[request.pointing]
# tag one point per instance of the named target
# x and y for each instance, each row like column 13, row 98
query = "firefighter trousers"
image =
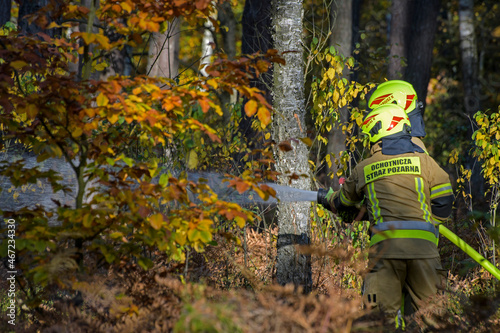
column 383, row 285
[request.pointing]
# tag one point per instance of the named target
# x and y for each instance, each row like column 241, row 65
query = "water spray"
column 322, row 196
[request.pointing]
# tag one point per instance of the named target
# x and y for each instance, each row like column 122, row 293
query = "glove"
column 324, row 198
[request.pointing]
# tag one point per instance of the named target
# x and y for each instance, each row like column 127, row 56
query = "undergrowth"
column 230, row 288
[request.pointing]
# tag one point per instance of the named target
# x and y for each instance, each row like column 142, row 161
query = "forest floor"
column 230, row 288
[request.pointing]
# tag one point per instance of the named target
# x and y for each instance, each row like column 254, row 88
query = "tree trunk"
column 226, row 17
column 398, row 32
column 5, row 6
column 27, row 8
column 341, row 39
column 256, row 37
column 163, row 52
column 470, row 74
column 207, row 46
column 289, row 125
column 423, row 26
column 227, row 21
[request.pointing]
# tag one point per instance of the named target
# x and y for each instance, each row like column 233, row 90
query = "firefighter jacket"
column 406, row 196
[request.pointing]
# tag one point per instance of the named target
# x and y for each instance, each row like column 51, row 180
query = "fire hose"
column 323, row 196
column 460, row 243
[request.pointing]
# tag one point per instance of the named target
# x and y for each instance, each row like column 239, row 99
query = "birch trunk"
column 289, row 125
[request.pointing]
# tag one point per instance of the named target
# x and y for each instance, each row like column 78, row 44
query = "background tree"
column 163, row 52
column 472, row 88
column 256, row 37
column 5, row 6
column 341, row 38
column 422, row 18
column 292, row 158
column 400, row 23
column 227, row 20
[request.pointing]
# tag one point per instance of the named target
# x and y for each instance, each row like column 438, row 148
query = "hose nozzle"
column 323, row 196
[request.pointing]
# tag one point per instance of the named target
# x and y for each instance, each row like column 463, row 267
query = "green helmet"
column 385, row 120
column 394, row 92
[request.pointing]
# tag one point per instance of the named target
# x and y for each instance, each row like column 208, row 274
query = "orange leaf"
column 204, row 105
column 202, row 4
column 241, row 187
column 250, row 107
column 285, row 146
column 264, row 115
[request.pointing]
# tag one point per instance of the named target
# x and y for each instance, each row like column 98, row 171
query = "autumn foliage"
column 55, row 104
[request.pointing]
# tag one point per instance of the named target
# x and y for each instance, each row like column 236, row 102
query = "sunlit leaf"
column 156, row 221
column 250, row 108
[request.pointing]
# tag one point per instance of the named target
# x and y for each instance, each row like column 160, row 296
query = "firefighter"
column 403, row 94
column 406, row 194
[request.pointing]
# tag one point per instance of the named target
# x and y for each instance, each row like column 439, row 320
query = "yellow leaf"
column 16, row 64
column 335, row 96
column 53, row 25
column 330, row 73
column 113, row 118
column 87, row 220
column 126, row 7
column 217, row 109
column 250, row 107
column 268, row 135
column 240, row 221
column 90, row 112
column 156, row 221
column 496, row 32
column 77, row 132
column 102, row 100
column 87, row 37
column 213, row 83
column 307, row 141
column 103, row 41
column 192, row 161
column 32, row 110
column 328, row 160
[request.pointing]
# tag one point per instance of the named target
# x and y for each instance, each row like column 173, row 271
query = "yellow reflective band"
column 441, row 189
column 404, row 234
column 345, row 201
column 377, row 218
column 419, row 186
column 395, row 166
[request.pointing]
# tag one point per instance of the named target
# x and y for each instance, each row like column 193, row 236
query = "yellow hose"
column 469, row 250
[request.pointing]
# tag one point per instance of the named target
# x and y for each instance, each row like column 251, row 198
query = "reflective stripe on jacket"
column 406, row 196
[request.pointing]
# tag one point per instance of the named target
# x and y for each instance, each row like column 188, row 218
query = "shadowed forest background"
column 141, row 139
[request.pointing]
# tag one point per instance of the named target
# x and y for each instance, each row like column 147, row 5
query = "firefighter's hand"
column 361, row 213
